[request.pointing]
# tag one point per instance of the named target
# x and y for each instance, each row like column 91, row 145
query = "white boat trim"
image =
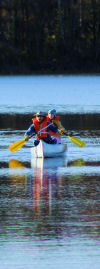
column 44, row 150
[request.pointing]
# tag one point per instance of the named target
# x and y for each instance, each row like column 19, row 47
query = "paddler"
column 52, row 117
column 41, row 127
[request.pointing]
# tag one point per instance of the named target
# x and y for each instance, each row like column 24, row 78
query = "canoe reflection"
column 52, row 200
column 41, row 185
column 46, row 183
column 48, row 163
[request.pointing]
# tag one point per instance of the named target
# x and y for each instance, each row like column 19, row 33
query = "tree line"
column 89, row 122
column 59, row 36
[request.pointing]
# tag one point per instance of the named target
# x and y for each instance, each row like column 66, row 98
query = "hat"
column 53, row 111
column 40, row 113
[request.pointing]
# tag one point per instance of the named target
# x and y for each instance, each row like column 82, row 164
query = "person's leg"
column 58, row 140
column 51, row 140
column 36, row 142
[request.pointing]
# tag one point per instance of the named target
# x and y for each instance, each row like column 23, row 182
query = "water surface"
column 50, row 209
column 26, row 94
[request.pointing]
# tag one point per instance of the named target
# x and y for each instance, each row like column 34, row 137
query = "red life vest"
column 56, row 118
column 38, row 127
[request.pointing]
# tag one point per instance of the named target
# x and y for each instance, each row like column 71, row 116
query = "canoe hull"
column 44, row 150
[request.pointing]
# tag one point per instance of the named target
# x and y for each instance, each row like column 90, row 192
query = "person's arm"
column 29, row 132
column 62, row 130
column 59, row 125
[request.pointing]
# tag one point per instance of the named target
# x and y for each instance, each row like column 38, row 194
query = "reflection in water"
column 46, row 186
column 17, row 173
column 43, row 196
column 78, row 162
column 48, row 202
column 15, row 164
column 46, row 183
column 77, row 177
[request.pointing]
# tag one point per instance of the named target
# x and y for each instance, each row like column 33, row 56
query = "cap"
column 53, row 111
column 40, row 113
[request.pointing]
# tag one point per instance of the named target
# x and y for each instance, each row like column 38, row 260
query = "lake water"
column 50, row 209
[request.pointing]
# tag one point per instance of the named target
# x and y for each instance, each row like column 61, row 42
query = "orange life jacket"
column 38, row 128
column 56, row 118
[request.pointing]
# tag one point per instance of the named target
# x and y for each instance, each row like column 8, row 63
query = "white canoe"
column 44, row 150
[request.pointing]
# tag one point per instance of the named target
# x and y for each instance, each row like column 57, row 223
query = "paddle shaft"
column 44, row 128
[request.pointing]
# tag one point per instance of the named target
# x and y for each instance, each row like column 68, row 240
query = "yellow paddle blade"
column 77, row 141
column 16, row 145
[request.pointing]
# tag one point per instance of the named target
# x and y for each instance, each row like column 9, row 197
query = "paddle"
column 16, row 145
column 76, row 141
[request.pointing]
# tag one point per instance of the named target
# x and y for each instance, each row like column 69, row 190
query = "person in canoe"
column 52, row 117
column 41, row 127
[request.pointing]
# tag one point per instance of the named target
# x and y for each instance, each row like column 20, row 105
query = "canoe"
column 44, row 150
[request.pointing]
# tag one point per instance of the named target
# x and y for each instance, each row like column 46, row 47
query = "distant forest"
column 49, row 36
